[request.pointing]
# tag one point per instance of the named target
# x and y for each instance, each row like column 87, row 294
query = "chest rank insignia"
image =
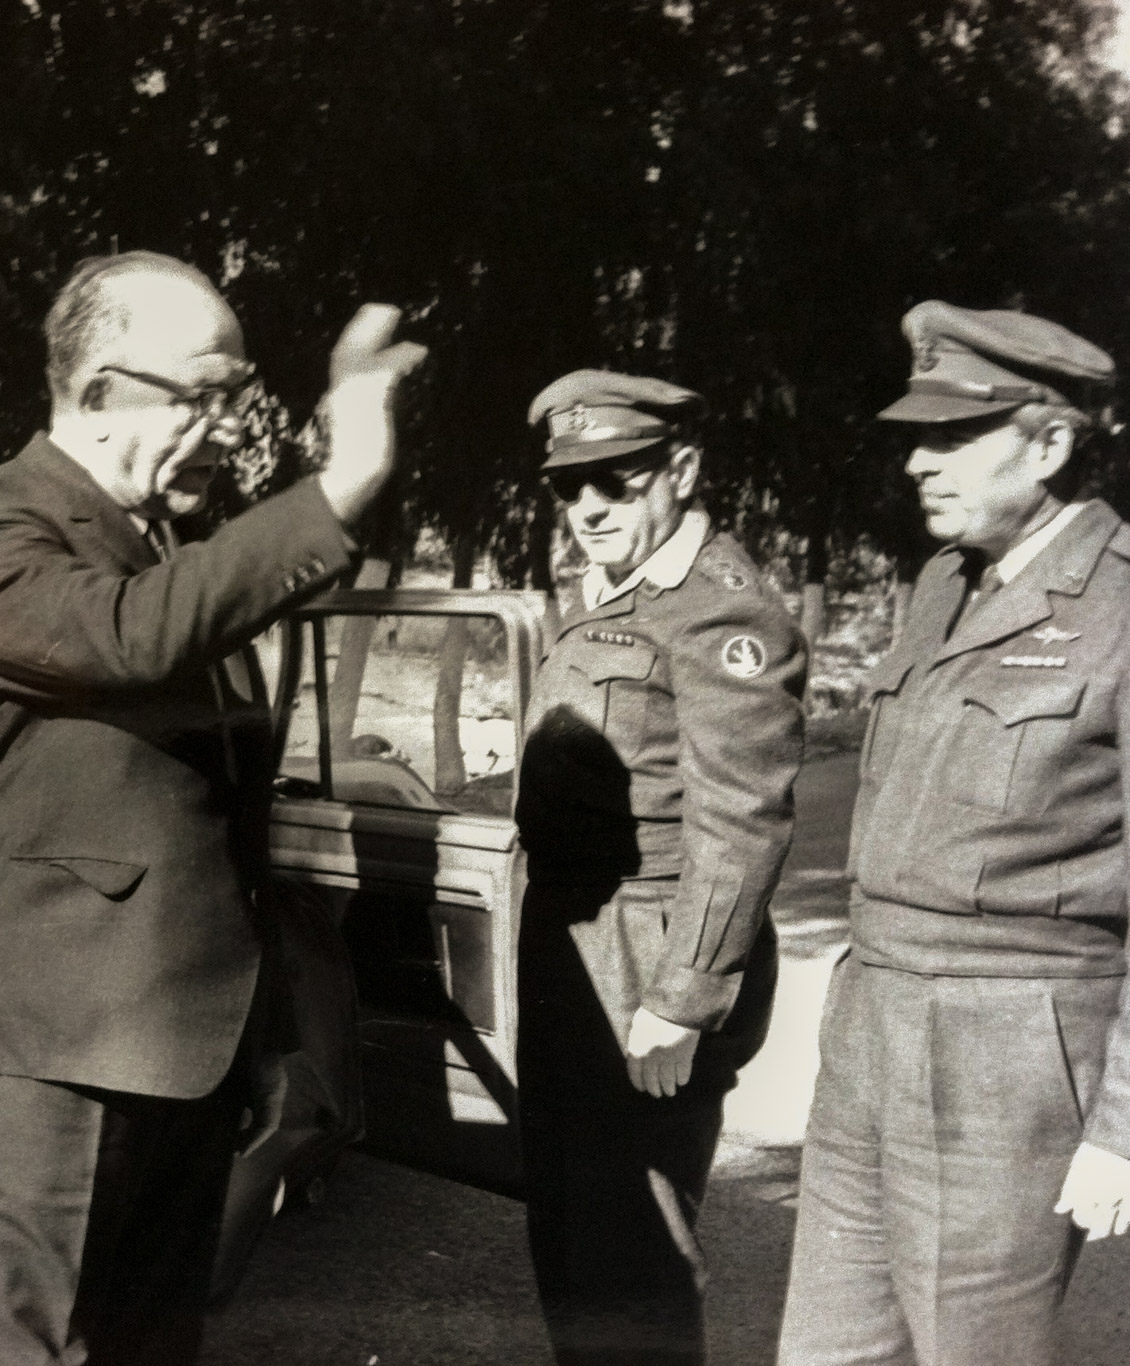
column 1034, row 662
column 744, row 656
column 1052, row 635
column 610, row 637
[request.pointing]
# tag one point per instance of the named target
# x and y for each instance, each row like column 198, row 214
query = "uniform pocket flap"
column 1025, row 699
column 111, row 877
column 888, row 675
column 617, row 661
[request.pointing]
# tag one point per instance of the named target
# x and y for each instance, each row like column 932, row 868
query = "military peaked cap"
column 599, row 415
column 970, row 364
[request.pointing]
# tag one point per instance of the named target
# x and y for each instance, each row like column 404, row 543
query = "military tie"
column 981, row 587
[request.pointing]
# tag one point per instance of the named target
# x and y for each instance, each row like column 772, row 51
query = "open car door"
column 399, row 738
column 396, row 882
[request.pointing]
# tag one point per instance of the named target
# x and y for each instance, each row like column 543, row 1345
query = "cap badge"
column 580, row 419
column 925, row 354
column 744, row 656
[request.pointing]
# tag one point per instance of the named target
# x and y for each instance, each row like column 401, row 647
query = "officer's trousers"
column 946, row 1113
column 614, row 1178
column 110, row 1206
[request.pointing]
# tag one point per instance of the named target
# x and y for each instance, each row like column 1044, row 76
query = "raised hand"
column 358, row 409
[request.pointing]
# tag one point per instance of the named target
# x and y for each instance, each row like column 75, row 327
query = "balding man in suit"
column 133, row 797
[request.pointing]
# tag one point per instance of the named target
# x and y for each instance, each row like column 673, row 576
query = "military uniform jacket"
column 663, row 736
column 996, row 776
column 127, row 851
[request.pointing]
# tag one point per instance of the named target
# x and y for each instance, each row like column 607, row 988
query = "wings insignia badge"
column 1052, row 635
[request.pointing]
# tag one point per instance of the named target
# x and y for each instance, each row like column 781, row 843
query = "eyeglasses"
column 614, row 485
column 211, row 403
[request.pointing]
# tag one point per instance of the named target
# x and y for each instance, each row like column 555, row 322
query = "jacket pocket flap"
column 1024, row 699
column 618, row 661
column 888, row 675
column 111, row 877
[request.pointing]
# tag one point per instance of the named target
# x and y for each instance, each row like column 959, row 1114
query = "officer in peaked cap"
column 663, row 736
column 972, row 1114
column 597, row 416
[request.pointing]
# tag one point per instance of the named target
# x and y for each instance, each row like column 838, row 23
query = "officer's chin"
column 607, row 552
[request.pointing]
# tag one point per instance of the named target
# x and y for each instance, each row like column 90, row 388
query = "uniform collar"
column 1079, row 545
column 666, row 567
column 1009, row 565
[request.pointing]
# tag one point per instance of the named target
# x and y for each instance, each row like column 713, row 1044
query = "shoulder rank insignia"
column 725, row 572
column 1051, row 635
column 744, row 656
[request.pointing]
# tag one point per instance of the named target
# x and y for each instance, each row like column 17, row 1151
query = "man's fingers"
column 368, row 332
column 635, row 1073
column 365, row 349
column 401, row 359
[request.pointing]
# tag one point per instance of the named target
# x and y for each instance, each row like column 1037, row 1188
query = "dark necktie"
column 982, row 586
column 160, row 538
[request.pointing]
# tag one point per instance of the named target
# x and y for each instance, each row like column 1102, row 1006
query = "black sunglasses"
column 612, row 483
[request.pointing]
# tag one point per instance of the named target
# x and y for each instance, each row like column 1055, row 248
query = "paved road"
column 401, row 1269
column 397, row 1268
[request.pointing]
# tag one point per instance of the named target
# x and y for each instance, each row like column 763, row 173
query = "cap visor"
column 594, row 452
column 942, row 408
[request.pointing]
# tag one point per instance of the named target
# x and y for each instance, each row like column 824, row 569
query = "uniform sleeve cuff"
column 695, row 1000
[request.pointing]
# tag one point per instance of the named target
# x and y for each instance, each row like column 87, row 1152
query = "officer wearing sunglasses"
column 655, row 806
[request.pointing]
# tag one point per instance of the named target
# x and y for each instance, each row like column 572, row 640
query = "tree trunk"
column 542, row 524
column 903, row 589
column 812, row 603
column 451, row 773
column 353, row 654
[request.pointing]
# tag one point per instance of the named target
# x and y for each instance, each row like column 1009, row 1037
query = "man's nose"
column 923, row 461
column 227, row 430
column 591, row 506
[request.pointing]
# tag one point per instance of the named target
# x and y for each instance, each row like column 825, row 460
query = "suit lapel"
column 92, row 517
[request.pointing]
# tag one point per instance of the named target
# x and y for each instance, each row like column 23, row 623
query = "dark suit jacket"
column 131, row 802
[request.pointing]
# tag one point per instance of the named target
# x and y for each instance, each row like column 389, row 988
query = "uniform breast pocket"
column 622, row 686
column 884, row 684
column 1008, row 731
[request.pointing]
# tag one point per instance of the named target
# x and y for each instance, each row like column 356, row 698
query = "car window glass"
column 417, row 712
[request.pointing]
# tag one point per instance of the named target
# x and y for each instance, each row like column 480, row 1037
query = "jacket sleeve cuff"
column 696, row 1000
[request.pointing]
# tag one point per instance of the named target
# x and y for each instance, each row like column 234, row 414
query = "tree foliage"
column 743, row 195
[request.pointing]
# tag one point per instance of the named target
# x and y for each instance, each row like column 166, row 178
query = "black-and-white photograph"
column 564, row 676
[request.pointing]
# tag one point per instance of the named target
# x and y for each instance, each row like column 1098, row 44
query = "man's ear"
column 684, row 466
column 93, row 397
column 1053, row 448
column 92, row 406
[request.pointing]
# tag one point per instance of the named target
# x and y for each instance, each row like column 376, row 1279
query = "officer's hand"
column 366, row 369
column 660, row 1054
column 263, row 1116
column 1096, row 1192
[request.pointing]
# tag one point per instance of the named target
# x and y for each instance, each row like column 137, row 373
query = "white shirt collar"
column 1009, row 565
column 666, row 567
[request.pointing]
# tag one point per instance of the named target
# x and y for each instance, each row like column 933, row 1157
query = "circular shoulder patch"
column 744, row 656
